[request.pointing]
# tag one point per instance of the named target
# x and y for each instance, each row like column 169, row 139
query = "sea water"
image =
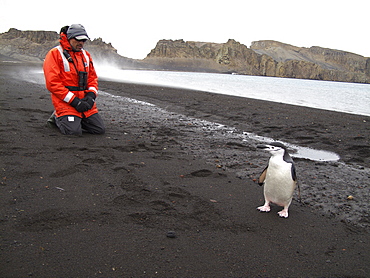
column 344, row 97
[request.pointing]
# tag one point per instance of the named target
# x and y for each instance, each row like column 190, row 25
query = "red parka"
column 60, row 74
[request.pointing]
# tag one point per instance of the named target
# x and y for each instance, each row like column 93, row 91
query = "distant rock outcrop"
column 264, row 58
column 32, row 46
column 329, row 59
column 186, row 56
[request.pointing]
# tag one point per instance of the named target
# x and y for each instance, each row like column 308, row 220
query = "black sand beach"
column 103, row 206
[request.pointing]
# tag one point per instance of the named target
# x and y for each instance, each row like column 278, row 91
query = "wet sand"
column 104, row 205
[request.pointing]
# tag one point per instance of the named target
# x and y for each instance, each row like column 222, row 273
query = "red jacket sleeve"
column 92, row 82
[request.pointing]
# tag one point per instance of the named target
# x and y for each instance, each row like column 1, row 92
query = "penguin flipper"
column 294, row 175
column 261, row 179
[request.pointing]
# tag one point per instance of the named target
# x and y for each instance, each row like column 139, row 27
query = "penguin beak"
column 264, row 147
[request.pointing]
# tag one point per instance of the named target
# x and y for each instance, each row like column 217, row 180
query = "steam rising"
column 33, row 74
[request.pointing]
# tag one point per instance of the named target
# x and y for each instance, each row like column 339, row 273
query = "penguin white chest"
column 279, row 185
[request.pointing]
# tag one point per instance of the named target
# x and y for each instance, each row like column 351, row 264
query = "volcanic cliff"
column 32, row 46
column 264, row 58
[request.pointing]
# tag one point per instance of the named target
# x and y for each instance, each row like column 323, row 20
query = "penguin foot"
column 264, row 208
column 283, row 213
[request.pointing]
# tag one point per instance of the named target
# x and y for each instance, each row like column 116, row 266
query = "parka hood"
column 64, row 42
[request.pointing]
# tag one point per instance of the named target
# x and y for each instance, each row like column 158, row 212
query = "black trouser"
column 73, row 125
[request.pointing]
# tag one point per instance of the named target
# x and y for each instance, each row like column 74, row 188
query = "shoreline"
column 104, row 205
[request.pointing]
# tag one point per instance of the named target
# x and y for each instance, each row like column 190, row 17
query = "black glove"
column 90, row 98
column 80, row 105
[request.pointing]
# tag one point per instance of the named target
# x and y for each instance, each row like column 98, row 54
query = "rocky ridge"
column 327, row 58
column 32, row 46
column 263, row 58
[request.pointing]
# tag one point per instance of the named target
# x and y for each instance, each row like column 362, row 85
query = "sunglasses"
column 83, row 40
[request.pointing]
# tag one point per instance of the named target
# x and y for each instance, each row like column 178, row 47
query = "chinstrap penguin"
column 279, row 178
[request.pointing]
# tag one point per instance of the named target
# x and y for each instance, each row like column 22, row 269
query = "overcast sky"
column 135, row 26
